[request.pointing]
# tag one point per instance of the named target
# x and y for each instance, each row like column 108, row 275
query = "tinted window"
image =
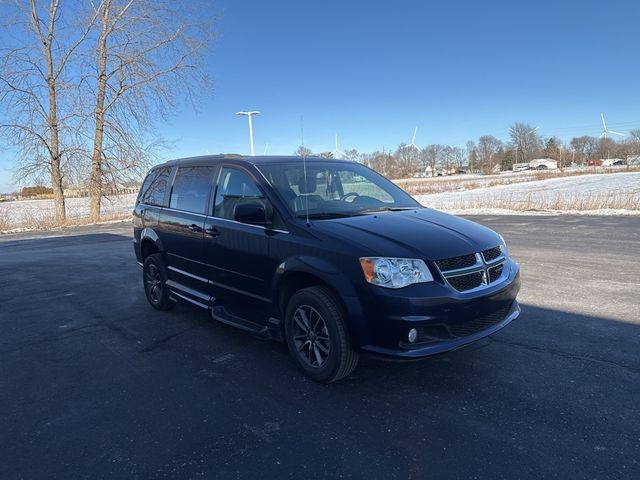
column 339, row 188
column 155, row 186
column 235, row 187
column 191, row 188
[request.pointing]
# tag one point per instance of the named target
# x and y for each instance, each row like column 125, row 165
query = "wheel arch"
column 303, row 272
column 150, row 243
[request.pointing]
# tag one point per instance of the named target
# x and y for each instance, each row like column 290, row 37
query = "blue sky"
column 371, row 71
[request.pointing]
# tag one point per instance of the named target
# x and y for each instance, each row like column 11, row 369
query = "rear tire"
column 317, row 335
column 154, row 279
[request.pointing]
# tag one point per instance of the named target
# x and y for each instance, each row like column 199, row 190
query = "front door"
column 237, row 254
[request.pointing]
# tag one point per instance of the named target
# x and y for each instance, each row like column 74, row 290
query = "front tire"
column 317, row 336
column 154, row 278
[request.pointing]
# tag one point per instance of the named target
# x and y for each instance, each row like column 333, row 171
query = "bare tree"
column 579, row 145
column 407, row 160
column 431, row 157
column 525, row 141
column 352, row 155
column 452, row 157
column 458, row 157
column 148, row 54
column 383, row 163
column 35, row 90
column 303, row 151
column 488, row 146
column 472, row 155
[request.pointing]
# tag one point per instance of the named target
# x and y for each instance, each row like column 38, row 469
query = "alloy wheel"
column 153, row 281
column 311, row 336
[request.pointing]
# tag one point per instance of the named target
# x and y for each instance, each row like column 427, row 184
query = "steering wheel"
column 350, row 194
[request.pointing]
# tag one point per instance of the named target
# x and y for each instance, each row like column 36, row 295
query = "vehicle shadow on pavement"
column 548, row 337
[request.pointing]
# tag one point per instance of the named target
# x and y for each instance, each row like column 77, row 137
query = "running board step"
column 221, row 315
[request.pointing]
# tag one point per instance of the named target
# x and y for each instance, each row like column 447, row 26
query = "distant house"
column 633, row 160
column 518, row 167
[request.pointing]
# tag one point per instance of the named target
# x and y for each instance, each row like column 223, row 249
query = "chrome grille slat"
column 486, row 268
column 492, row 254
column 457, row 263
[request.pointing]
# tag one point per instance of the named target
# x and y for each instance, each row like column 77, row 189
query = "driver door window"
column 235, row 187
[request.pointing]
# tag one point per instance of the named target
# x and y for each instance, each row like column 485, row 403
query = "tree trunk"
column 98, row 138
column 52, row 120
column 56, row 174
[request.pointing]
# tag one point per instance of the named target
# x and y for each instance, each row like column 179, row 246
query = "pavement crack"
column 571, row 356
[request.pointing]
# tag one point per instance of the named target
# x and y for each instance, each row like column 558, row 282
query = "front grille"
column 495, row 272
column 462, row 283
column 455, row 263
column 468, row 272
column 479, row 323
column 433, row 334
column 491, row 254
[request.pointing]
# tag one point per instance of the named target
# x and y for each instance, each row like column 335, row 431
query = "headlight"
column 395, row 272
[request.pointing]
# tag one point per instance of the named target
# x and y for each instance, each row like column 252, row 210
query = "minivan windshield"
column 334, row 189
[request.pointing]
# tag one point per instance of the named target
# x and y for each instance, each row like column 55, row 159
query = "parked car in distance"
column 326, row 255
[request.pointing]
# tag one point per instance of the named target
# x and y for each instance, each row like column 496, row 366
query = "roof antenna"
column 304, row 170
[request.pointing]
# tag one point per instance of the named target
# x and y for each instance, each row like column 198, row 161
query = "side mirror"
column 252, row 213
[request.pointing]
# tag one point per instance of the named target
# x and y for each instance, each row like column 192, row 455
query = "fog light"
column 413, row 334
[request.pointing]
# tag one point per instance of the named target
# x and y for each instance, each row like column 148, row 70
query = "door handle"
column 194, row 228
column 212, row 231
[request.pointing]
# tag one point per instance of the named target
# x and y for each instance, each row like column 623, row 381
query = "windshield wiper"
column 386, row 209
column 322, row 215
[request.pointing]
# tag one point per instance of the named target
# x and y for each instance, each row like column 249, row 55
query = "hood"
column 421, row 233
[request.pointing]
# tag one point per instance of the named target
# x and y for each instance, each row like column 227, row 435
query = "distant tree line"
column 488, row 154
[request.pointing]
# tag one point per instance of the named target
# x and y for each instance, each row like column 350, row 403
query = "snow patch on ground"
column 598, row 194
column 27, row 215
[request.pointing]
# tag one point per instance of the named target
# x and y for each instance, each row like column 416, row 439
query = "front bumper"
column 443, row 346
column 445, row 319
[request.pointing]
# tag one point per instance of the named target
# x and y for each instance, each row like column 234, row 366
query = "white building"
column 543, row 164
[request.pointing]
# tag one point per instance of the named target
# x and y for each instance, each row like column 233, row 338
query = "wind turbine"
column 337, row 153
column 413, row 140
column 606, row 131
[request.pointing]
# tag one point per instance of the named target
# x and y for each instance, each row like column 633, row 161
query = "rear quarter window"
column 154, row 188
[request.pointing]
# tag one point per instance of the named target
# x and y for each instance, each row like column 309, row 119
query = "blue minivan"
column 326, row 255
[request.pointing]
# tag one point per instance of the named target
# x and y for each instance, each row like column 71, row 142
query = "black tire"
column 323, row 352
column 154, row 280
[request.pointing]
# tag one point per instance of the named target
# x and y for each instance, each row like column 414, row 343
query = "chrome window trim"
column 225, row 220
column 249, row 225
column 185, row 211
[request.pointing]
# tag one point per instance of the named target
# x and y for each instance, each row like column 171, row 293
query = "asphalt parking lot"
column 96, row 384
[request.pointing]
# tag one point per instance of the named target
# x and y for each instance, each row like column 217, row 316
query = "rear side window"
column 191, row 189
column 155, row 186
